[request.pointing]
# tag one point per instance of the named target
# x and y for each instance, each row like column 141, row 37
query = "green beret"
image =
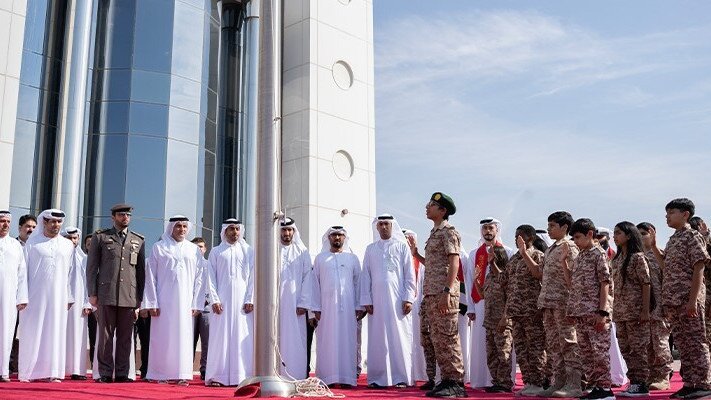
column 444, row 201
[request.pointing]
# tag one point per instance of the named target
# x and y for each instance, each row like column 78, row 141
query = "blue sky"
column 518, row 109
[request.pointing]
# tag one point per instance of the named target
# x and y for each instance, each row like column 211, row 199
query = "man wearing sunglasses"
column 115, row 276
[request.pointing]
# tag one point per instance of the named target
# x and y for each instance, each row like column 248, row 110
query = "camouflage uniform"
column 522, row 291
column 440, row 334
column 590, row 269
column 685, row 248
column 659, row 356
column 498, row 345
column 561, row 340
column 627, row 305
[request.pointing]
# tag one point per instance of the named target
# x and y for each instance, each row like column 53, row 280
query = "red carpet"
column 140, row 390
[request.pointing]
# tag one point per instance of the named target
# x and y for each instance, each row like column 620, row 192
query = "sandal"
column 216, row 384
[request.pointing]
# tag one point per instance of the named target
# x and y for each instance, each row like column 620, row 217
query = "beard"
column 489, row 237
column 337, row 245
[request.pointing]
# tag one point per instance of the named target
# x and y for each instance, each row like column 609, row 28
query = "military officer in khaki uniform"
column 115, row 276
column 440, row 305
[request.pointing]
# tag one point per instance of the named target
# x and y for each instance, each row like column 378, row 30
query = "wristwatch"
column 603, row 313
column 446, row 289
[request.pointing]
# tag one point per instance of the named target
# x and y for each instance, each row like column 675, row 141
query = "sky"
column 517, row 109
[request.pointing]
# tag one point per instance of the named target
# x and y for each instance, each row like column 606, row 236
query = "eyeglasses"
column 123, row 214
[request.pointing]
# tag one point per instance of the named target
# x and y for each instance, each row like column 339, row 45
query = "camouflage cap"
column 444, row 201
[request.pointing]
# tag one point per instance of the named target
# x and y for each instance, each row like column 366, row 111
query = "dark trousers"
column 143, row 329
column 91, row 323
column 309, row 339
column 113, row 320
column 15, row 347
column 201, row 329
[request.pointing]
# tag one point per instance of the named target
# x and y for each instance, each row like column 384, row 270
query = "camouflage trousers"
column 690, row 338
column 634, row 339
column 594, row 349
column 498, row 355
column 439, row 334
column 561, row 343
column 529, row 341
column 659, row 354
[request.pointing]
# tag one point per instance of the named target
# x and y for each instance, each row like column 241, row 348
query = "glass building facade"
column 163, row 113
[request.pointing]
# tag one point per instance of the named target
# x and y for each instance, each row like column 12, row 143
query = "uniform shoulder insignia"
column 138, row 234
column 103, row 230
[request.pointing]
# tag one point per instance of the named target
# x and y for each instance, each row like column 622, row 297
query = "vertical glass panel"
column 146, row 191
column 35, row 20
column 151, row 229
column 184, row 125
column 149, row 119
column 28, row 103
column 188, row 33
column 22, row 163
column 113, row 84
column 117, row 31
column 181, row 178
column 110, row 117
column 31, row 72
column 154, row 35
column 185, row 94
column 106, row 169
column 151, row 87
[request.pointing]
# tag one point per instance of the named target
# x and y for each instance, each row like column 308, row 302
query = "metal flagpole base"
column 270, row 386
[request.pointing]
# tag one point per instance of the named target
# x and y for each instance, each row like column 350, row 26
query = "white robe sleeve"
column 409, row 287
column 198, row 293
column 249, row 293
column 304, row 298
column 70, row 281
column 81, row 274
column 469, row 281
column 366, row 289
column 150, row 294
column 316, row 287
column 21, row 294
column 211, row 276
column 356, row 283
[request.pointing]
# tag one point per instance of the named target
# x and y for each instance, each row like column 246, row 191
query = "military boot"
column 558, row 383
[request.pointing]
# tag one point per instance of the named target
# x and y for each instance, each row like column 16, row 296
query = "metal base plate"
column 270, row 386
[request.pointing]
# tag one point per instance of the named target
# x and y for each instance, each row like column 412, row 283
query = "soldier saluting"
column 115, row 276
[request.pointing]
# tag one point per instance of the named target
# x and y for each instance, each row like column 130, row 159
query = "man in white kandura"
column 77, row 328
column 294, row 298
column 336, row 277
column 490, row 229
column 43, row 323
column 172, row 297
column 230, row 289
column 387, row 291
column 13, row 290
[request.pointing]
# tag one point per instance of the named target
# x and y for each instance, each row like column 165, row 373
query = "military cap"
column 444, row 201
column 121, row 208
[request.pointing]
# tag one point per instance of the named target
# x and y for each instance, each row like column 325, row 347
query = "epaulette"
column 138, row 234
column 102, row 230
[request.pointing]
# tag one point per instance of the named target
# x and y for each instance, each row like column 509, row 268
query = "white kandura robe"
column 336, row 288
column 388, row 280
column 419, row 366
column 13, row 291
column 77, row 328
column 173, row 279
column 618, row 366
column 478, row 369
column 43, row 324
column 464, row 325
column 294, row 291
column 230, row 355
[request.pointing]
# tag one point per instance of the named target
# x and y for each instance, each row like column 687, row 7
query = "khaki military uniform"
column 439, row 333
column 498, row 344
column 529, row 336
column 685, row 248
column 627, row 305
column 561, row 339
column 590, row 269
column 659, row 356
column 115, row 272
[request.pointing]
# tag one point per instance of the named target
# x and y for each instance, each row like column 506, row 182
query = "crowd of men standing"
column 572, row 309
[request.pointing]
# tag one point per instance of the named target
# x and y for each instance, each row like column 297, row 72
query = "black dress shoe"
column 122, row 379
column 429, row 385
column 105, row 379
column 76, row 377
column 202, row 375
